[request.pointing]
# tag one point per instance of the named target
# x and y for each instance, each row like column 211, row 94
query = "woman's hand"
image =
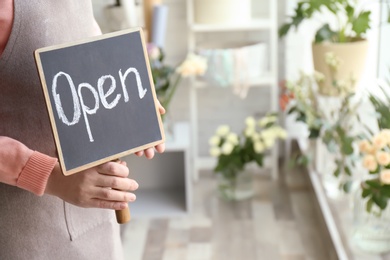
column 160, row 148
column 103, row 186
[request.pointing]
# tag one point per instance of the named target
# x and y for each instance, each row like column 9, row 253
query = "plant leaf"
column 361, row 23
column 324, row 34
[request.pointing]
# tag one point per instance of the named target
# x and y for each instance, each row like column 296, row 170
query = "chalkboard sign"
column 100, row 97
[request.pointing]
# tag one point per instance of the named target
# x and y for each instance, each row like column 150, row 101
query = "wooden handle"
column 122, row 216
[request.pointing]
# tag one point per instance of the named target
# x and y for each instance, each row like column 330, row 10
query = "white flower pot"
column 222, row 11
column 352, row 56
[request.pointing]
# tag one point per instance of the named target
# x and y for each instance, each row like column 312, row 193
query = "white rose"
column 269, row 142
column 268, row 134
column 250, row 121
column 227, row 148
column 256, row 137
column 385, row 176
column 215, row 140
column 215, row 151
column 232, row 138
column 258, row 146
column 249, row 131
column 223, row 130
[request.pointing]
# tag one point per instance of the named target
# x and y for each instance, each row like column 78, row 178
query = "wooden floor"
column 282, row 222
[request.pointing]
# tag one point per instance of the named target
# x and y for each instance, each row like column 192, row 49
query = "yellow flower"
column 379, row 141
column 385, row 176
column 370, row 163
column 215, row 140
column 383, row 158
column 215, row 151
column 223, row 130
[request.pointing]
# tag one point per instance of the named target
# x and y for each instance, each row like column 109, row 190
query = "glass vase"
column 235, row 186
column 371, row 230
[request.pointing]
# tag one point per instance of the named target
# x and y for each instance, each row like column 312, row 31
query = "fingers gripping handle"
column 122, row 216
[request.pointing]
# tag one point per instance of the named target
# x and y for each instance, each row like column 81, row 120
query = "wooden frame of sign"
column 100, row 98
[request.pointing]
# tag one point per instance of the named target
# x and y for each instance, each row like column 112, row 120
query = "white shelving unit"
column 270, row 79
column 165, row 183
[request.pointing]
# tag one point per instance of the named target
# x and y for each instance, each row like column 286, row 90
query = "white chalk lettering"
column 103, row 96
column 100, row 94
column 58, row 103
column 141, row 90
column 86, row 109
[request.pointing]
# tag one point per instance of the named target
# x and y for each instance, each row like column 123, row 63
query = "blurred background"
column 276, row 129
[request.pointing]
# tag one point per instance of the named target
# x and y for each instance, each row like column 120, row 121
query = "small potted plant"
column 235, row 152
column 343, row 32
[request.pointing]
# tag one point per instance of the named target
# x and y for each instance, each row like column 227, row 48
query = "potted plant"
column 235, row 152
column 343, row 32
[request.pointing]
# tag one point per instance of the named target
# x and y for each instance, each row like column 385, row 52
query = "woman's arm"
column 6, row 18
column 24, row 168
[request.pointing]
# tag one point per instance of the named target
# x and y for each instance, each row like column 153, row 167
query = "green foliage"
column 376, row 193
column 357, row 20
column 381, row 106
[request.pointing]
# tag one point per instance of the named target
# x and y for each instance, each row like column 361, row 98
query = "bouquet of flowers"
column 376, row 160
column 235, row 151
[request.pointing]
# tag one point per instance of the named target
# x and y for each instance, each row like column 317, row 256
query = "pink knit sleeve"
column 24, row 168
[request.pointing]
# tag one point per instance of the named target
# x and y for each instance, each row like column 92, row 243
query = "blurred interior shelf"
column 165, row 184
column 255, row 24
column 263, row 81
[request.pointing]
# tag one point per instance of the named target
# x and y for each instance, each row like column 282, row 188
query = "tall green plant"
column 352, row 23
column 382, row 106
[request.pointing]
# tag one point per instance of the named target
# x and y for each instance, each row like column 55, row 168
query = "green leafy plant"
column 381, row 106
column 302, row 101
column 339, row 138
column 351, row 22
